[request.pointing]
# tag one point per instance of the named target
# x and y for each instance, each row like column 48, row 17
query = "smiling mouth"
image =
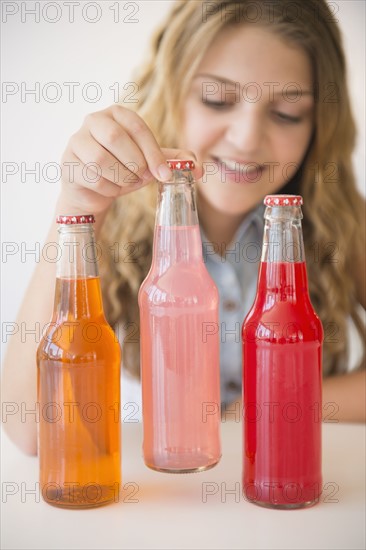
column 235, row 166
column 250, row 171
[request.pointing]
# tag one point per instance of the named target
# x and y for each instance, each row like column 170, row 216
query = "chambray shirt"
column 235, row 274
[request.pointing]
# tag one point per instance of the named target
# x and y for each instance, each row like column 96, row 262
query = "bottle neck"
column 177, row 201
column 77, row 292
column 77, row 252
column 283, row 270
column 282, row 240
column 177, row 236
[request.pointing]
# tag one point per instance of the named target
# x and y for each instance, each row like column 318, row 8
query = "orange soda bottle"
column 78, row 381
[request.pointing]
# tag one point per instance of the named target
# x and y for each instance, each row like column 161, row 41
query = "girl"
column 256, row 93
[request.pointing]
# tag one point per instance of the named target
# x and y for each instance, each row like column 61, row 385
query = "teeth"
column 233, row 165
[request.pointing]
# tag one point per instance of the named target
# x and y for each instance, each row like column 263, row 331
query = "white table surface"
column 170, row 512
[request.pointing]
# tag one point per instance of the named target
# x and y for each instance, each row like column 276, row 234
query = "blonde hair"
column 332, row 205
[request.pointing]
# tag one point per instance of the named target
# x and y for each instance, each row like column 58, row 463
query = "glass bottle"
column 78, row 363
column 282, row 370
column 179, row 338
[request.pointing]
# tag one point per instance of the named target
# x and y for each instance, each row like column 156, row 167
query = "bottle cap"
column 177, row 164
column 283, row 200
column 69, row 220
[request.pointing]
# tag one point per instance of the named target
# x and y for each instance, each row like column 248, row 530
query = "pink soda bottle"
column 282, row 370
column 179, row 340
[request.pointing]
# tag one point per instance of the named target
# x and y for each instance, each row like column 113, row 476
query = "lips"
column 239, row 171
column 238, row 165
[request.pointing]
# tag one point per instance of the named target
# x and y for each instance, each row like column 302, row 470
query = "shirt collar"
column 254, row 217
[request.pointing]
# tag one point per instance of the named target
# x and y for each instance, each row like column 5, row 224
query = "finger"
column 141, row 134
column 81, row 175
column 95, row 158
column 117, row 142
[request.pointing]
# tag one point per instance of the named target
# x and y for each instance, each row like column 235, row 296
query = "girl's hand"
column 112, row 154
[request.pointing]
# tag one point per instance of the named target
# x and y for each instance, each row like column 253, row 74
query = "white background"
column 105, row 52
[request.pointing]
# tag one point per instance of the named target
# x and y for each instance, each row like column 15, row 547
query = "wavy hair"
column 333, row 212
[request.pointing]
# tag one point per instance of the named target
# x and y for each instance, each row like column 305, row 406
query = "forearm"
column 344, row 398
column 348, row 394
column 19, row 374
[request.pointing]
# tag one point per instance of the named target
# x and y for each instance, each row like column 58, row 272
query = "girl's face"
column 248, row 117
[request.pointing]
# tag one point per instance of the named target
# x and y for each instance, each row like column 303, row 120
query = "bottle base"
column 79, row 498
column 67, row 506
column 192, row 470
column 290, row 506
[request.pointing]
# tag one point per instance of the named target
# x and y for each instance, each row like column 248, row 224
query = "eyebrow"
column 228, row 81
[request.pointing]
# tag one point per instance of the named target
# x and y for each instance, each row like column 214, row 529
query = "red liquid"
column 282, row 343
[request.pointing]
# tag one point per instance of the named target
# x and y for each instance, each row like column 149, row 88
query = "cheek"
column 292, row 146
column 191, row 135
column 288, row 151
column 197, row 133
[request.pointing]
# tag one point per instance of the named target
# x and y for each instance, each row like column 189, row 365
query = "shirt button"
column 230, row 305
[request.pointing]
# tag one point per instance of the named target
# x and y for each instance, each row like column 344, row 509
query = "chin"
column 230, row 199
column 229, row 207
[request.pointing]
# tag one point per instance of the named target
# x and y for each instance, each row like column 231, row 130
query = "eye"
column 283, row 117
column 219, row 105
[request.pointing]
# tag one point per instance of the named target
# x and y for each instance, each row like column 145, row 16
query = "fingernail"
column 147, row 175
column 164, row 172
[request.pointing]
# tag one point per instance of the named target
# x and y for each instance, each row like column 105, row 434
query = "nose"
column 245, row 132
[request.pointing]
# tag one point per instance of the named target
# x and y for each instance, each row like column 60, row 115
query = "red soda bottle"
column 179, row 338
column 282, row 370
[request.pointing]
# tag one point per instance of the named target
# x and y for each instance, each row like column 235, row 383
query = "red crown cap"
column 177, row 164
column 69, row 220
column 283, row 200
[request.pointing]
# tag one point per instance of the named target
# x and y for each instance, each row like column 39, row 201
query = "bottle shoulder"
column 182, row 284
column 285, row 322
column 79, row 341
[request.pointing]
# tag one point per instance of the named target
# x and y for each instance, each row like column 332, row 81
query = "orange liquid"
column 79, row 397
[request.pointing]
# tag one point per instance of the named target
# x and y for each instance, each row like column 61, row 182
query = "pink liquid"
column 180, row 355
column 282, row 391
